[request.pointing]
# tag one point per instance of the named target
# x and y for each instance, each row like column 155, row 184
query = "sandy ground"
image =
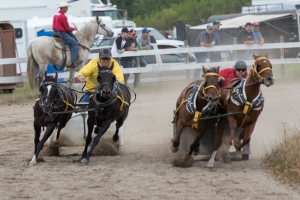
column 142, row 169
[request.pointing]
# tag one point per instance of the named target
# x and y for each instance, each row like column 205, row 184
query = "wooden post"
column 234, row 53
column 282, row 56
column 187, row 60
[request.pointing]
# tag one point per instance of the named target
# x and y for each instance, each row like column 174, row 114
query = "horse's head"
column 50, row 92
column 106, row 80
column 211, row 85
column 103, row 29
column 262, row 70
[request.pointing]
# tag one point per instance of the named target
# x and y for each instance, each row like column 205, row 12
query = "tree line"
column 162, row 14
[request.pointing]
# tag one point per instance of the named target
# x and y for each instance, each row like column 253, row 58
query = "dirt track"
column 143, row 170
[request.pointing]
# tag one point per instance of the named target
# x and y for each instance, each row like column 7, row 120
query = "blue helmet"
column 240, row 65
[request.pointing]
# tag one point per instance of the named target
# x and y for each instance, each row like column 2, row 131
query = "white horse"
column 44, row 50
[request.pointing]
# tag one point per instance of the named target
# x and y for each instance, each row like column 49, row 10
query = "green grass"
column 19, row 95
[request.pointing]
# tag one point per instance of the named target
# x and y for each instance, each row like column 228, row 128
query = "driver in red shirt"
column 239, row 70
column 61, row 26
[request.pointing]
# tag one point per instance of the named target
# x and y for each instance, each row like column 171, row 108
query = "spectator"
column 90, row 72
column 256, row 34
column 216, row 55
column 61, row 26
column 131, row 45
column 245, row 37
column 238, row 71
column 120, row 43
column 205, row 39
column 144, row 43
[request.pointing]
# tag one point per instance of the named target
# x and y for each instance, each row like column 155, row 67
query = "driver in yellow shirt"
column 90, row 72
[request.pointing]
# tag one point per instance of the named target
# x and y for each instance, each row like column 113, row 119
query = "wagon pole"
column 74, row 111
column 219, row 116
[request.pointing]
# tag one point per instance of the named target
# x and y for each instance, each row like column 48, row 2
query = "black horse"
column 54, row 97
column 111, row 101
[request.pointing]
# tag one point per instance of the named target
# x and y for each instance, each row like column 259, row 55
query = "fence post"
column 187, row 60
column 234, row 53
column 282, row 56
column 136, row 82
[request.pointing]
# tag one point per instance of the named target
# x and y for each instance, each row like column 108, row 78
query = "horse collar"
column 239, row 97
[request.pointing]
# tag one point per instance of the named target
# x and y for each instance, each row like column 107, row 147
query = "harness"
column 191, row 101
column 238, row 95
column 59, row 101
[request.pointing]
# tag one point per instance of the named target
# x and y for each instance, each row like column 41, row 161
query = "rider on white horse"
column 90, row 72
column 61, row 26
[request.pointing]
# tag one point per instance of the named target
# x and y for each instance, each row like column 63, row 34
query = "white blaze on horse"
column 44, row 50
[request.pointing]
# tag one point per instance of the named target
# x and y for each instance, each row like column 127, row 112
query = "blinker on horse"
column 198, row 99
column 54, row 96
column 111, row 102
column 245, row 97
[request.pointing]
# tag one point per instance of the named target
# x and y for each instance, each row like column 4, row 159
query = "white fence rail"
column 175, row 66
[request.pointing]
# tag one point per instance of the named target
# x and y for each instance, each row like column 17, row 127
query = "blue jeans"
column 86, row 97
column 73, row 45
column 118, row 60
column 201, row 58
column 143, row 62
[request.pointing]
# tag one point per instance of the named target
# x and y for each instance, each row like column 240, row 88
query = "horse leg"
column 233, row 125
column 195, row 145
column 88, row 139
column 119, row 123
column 40, row 145
column 220, row 130
column 37, row 134
column 247, row 136
column 176, row 139
column 96, row 140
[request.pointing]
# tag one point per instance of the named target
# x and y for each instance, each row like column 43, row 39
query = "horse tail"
column 32, row 67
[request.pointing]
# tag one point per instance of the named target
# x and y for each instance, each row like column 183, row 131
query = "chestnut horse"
column 243, row 96
column 198, row 99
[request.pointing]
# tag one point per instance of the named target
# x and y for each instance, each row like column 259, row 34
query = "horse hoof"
column 32, row 163
column 84, row 161
column 232, row 154
column 173, row 149
column 210, row 165
column 115, row 138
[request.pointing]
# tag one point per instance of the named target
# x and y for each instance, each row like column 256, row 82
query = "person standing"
column 143, row 42
column 245, row 37
column 131, row 45
column 61, row 26
column 205, row 39
column 120, row 43
column 90, row 71
column 216, row 55
column 257, row 37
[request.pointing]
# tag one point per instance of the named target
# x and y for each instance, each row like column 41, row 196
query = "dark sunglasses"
column 105, row 58
column 240, row 70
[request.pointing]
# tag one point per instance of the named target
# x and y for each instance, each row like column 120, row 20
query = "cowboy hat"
column 63, row 4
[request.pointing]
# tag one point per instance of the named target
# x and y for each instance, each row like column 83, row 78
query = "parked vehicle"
column 155, row 33
column 156, row 60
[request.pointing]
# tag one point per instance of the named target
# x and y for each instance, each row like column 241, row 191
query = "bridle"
column 55, row 102
column 203, row 88
column 113, row 88
column 99, row 25
column 256, row 73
